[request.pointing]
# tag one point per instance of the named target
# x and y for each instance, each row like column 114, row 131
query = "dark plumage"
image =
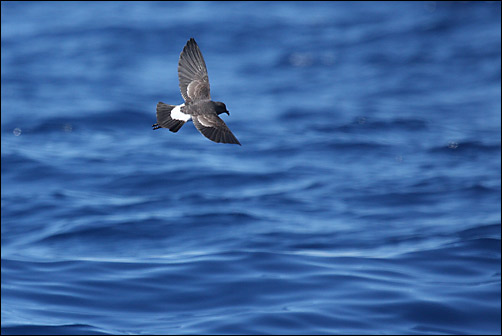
column 198, row 106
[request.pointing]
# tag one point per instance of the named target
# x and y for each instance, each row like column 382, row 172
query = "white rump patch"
column 178, row 115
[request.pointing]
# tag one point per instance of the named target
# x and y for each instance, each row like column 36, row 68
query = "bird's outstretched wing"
column 214, row 128
column 192, row 73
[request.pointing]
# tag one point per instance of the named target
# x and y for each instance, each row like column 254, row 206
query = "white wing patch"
column 178, row 115
column 204, row 122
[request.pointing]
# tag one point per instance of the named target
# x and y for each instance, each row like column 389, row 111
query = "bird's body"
column 198, row 106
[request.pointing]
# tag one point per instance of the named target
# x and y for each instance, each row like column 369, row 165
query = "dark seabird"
column 198, row 106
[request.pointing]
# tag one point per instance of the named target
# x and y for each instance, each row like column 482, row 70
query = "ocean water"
column 365, row 198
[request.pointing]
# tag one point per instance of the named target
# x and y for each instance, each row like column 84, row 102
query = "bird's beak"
column 228, row 113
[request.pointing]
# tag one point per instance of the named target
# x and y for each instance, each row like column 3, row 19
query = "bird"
column 198, row 106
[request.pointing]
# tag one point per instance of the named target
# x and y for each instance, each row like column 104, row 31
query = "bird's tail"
column 164, row 118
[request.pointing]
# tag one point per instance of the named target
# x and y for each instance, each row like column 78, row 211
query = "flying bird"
column 198, row 106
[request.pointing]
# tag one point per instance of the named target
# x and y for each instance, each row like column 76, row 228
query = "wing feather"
column 214, row 128
column 192, row 73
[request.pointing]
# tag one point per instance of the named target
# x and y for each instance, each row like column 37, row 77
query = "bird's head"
column 221, row 108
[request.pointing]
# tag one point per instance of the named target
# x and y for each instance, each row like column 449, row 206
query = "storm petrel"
column 198, row 106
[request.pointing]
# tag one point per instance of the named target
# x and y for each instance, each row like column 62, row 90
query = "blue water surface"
column 365, row 197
